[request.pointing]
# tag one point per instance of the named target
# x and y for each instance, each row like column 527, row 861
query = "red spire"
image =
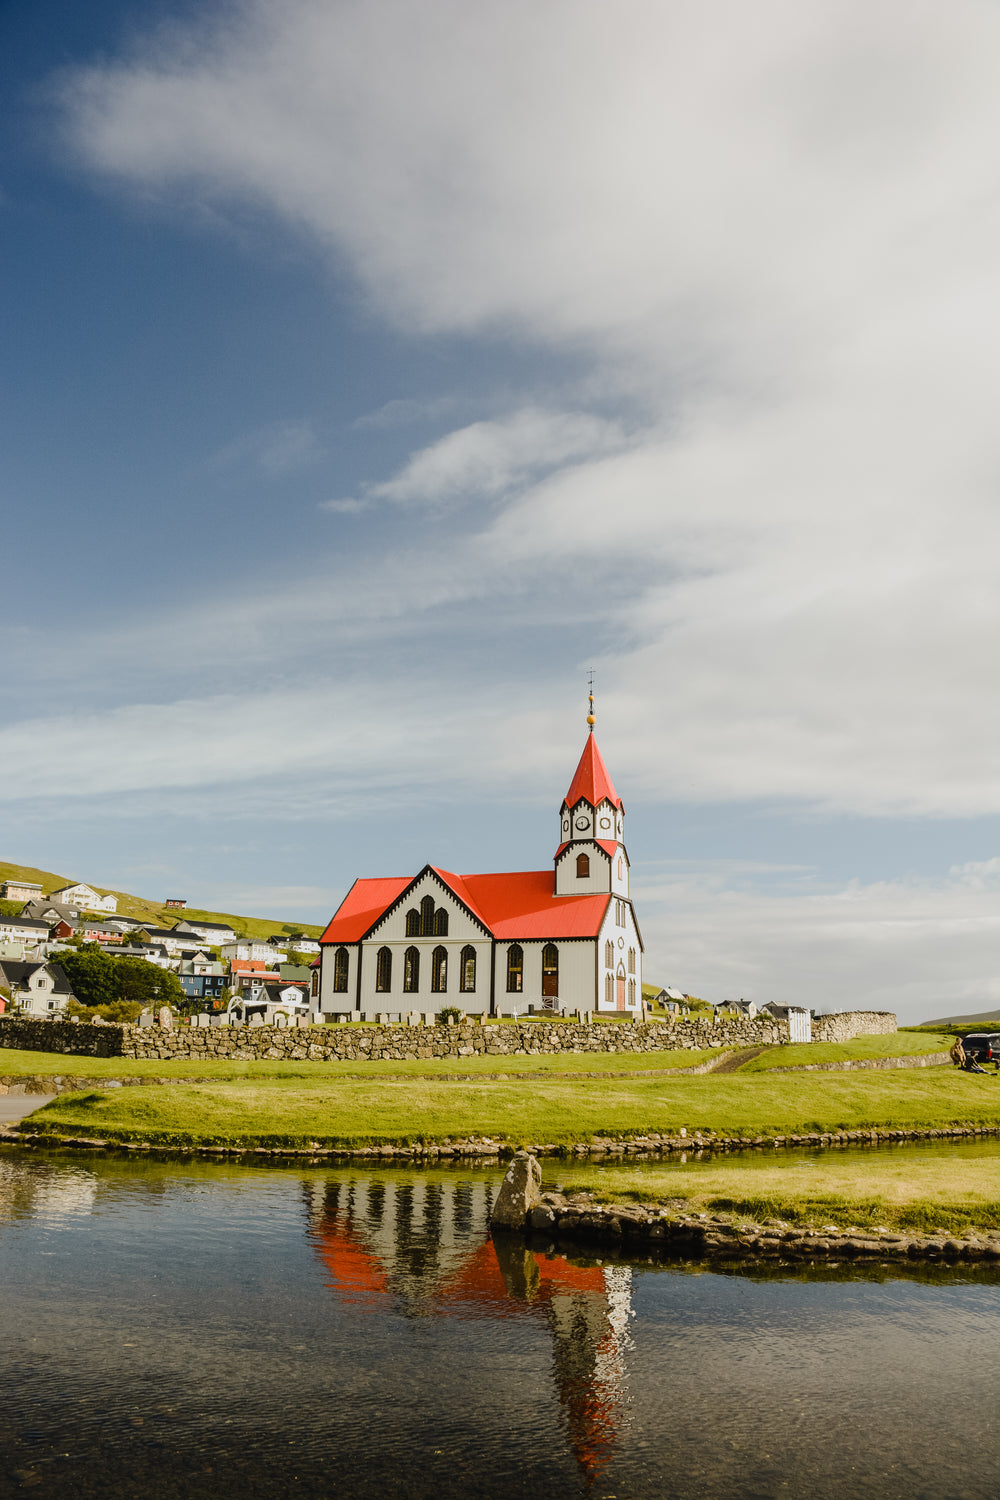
column 591, row 780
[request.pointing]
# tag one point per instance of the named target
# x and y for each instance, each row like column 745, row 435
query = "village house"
column 37, row 988
column 213, row 933
column 28, row 931
column 84, row 897
column 248, row 950
column 543, row 940
column 19, row 890
column 178, row 941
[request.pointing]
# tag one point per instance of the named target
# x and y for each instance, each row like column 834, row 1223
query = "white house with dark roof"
column 37, row 988
column 564, row 938
column 85, row 897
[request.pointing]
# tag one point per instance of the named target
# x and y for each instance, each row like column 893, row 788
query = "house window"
column 341, row 962
column 427, row 916
column 413, row 922
column 631, row 960
column 582, row 866
column 550, row 971
column 411, row 971
column 383, row 971
column 468, row 984
column 440, row 922
column 609, row 953
column 515, row 969
column 439, row 970
column 609, row 990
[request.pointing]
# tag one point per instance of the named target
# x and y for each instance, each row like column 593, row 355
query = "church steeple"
column 591, row 855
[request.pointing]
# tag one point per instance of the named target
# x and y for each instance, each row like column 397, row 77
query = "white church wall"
column 620, row 931
column 598, row 881
column 423, row 998
column 577, row 971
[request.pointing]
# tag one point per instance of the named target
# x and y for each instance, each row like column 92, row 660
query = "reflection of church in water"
column 422, row 1247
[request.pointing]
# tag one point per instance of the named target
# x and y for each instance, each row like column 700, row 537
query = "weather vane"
column 591, row 720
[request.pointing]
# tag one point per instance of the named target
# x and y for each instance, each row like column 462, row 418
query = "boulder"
column 519, row 1192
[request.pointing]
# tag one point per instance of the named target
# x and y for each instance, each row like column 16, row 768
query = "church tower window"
column 582, row 866
column 515, row 969
column 439, row 970
column 411, row 971
column 383, row 971
column 468, row 984
column 341, row 961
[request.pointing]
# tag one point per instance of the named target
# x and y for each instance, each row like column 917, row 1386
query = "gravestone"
column 303, row 1023
column 166, row 1018
column 145, row 1019
column 204, row 1019
column 256, row 1019
column 280, row 1019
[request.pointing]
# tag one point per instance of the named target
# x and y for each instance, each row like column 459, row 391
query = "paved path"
column 731, row 1062
column 14, row 1107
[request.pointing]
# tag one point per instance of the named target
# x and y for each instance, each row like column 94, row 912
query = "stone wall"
column 353, row 1043
column 844, row 1026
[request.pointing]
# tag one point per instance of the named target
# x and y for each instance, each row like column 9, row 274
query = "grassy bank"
column 899, row 1189
column 53, row 1064
column 897, row 1044
column 388, row 1109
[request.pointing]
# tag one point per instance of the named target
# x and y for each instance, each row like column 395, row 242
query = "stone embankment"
column 354, row 1043
column 522, row 1207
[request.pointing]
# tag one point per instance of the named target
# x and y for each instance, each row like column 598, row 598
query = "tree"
column 91, row 975
column 141, row 983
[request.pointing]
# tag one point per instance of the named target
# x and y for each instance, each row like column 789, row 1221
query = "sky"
column 372, row 372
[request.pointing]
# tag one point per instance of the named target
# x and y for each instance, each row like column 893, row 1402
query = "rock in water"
column 519, row 1192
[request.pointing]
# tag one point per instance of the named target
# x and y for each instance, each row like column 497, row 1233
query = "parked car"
column 984, row 1046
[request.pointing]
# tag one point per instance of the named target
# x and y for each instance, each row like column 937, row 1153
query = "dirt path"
column 731, row 1062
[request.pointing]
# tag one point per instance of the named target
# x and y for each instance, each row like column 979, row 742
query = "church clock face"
column 582, row 824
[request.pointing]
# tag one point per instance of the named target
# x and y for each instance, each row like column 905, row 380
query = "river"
column 186, row 1328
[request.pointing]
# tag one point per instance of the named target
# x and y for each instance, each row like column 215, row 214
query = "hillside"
column 984, row 1018
column 153, row 911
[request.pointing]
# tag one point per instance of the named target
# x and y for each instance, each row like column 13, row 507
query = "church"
column 553, row 940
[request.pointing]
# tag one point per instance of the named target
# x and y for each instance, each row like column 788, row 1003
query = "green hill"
column 155, row 912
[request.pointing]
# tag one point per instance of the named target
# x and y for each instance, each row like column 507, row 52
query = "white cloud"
column 772, row 230
column 924, row 949
column 277, row 449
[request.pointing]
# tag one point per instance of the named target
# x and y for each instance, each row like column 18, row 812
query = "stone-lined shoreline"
column 649, row 1147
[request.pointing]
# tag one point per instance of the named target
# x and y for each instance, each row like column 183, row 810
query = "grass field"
column 896, row 1044
column 393, row 1109
column 905, row 1188
column 14, row 1063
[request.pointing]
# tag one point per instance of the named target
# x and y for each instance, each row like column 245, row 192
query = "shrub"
column 450, row 1012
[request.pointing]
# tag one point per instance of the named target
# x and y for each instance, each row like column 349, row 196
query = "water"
column 183, row 1329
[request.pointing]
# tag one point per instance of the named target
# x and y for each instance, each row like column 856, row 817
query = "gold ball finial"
column 591, row 720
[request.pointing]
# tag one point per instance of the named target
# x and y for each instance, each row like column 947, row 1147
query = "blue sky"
column 371, row 372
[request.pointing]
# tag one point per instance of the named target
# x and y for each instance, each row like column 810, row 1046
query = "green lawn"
column 14, row 1063
column 902, row 1188
column 386, row 1109
column 897, row 1044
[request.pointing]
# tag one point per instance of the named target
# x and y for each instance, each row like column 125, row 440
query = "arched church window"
column 621, row 868
column 609, row 989
column 383, row 971
column 427, row 916
column 609, row 953
column 315, row 981
column 550, row 970
column 411, row 971
column 439, row 970
column 631, row 992
column 440, row 922
column 582, row 866
column 341, row 961
column 515, row 969
column 468, row 970
column 413, row 922
column 631, row 960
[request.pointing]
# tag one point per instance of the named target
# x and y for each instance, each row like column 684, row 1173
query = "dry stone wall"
column 353, row 1043
column 844, row 1026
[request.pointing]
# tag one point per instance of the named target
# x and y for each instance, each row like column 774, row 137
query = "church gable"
column 428, row 909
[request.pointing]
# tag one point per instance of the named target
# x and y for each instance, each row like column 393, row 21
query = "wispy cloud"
column 277, row 449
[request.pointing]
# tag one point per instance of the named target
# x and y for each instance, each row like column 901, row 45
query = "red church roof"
column 591, row 780
column 511, row 905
